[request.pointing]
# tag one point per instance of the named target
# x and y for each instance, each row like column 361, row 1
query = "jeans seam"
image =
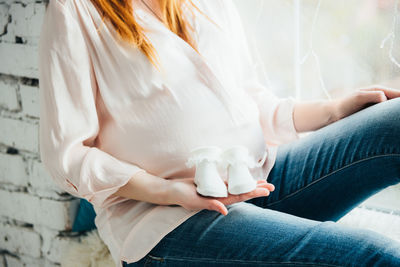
column 328, row 174
column 251, row 261
column 155, row 258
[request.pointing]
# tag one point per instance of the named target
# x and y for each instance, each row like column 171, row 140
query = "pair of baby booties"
column 209, row 159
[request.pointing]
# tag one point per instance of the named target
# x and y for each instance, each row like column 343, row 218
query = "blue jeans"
column 318, row 179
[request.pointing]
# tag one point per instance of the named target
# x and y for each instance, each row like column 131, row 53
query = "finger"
column 262, row 184
column 380, row 96
column 372, row 97
column 270, row 187
column 261, row 192
column 262, row 181
column 266, row 185
column 218, row 206
column 389, row 92
column 258, row 192
column 392, row 93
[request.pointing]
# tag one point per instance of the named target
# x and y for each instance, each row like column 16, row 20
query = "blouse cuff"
column 100, row 194
column 288, row 131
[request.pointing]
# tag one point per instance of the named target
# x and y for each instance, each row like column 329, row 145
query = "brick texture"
column 36, row 216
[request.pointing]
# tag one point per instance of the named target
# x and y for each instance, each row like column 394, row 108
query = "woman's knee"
column 372, row 127
column 385, row 116
column 362, row 246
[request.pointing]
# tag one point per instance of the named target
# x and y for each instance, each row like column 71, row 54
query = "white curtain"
column 322, row 48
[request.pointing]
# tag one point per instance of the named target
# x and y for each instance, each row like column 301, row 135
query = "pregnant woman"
column 129, row 88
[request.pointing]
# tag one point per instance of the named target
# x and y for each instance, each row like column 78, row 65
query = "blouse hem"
column 159, row 238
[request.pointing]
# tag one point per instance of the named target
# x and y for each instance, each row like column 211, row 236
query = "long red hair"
column 120, row 14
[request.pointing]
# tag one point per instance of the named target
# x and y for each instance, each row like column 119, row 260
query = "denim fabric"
column 318, row 179
column 84, row 219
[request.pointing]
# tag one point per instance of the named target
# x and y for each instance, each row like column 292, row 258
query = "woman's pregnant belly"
column 159, row 133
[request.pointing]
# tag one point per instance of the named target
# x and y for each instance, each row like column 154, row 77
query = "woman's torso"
column 158, row 118
column 154, row 119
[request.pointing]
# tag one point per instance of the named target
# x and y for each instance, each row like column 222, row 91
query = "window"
column 307, row 46
column 323, row 48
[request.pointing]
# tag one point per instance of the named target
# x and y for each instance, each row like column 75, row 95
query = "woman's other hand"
column 360, row 99
column 183, row 193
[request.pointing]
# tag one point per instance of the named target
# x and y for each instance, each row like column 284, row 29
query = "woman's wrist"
column 164, row 194
column 170, row 193
column 147, row 187
column 333, row 110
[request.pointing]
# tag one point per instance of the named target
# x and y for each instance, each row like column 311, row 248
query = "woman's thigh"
column 252, row 236
column 332, row 170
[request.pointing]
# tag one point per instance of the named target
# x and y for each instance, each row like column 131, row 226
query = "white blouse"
column 107, row 113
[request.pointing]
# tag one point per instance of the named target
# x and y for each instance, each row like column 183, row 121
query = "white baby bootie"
column 237, row 161
column 207, row 177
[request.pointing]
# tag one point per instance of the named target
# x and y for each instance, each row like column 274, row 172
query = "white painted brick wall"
column 19, row 60
column 26, row 20
column 4, row 18
column 26, row 261
column 30, row 100
column 13, row 170
column 8, row 96
column 32, row 209
column 36, row 216
column 20, row 240
column 41, row 183
column 20, row 134
column 54, row 245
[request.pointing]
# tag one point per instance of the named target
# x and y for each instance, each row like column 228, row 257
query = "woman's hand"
column 183, row 193
column 312, row 115
column 361, row 99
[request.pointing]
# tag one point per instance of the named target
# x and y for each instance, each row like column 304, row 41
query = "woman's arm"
column 69, row 122
column 312, row 115
column 144, row 186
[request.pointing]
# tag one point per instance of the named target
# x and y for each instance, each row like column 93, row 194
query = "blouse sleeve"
column 68, row 116
column 276, row 114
